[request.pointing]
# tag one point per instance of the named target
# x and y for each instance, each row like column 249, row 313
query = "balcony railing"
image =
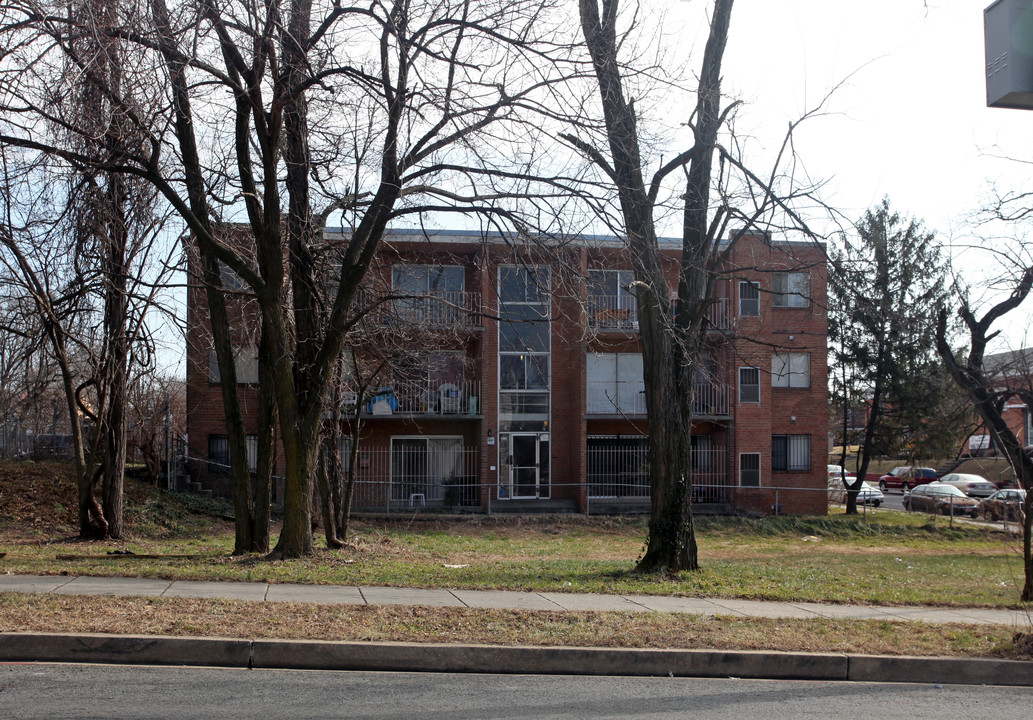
column 425, row 398
column 629, row 398
column 620, row 312
column 433, row 310
column 613, row 312
column 711, row 400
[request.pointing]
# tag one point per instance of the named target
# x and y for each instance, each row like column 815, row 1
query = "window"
column 524, row 349
column 749, row 299
column 791, row 370
column 429, row 293
column 245, row 362
column 218, row 454
column 614, row 383
column 749, row 469
column 790, row 290
column 790, row 452
column 252, row 453
column 422, row 465
column 749, row 385
column 610, row 304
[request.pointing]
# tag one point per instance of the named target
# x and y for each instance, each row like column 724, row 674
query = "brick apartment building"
column 501, row 379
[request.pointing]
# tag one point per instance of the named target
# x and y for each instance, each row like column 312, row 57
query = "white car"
column 867, row 495
column 971, row 485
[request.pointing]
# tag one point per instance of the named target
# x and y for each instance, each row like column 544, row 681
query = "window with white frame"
column 614, row 383
column 245, row 362
column 791, row 370
column 749, row 469
column 790, row 289
column 252, row 453
column 608, row 297
column 749, row 385
column 749, row 299
column 790, row 452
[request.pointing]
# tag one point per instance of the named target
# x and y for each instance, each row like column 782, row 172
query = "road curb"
column 412, row 657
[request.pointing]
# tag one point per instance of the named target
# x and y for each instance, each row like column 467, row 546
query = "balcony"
column 438, row 310
column 629, row 398
column 427, row 398
column 619, row 313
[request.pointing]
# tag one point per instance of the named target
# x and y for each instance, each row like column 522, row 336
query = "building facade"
column 493, row 378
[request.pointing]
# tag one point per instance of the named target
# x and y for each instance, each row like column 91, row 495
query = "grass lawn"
column 885, row 557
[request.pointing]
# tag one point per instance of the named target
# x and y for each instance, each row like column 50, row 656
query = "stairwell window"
column 790, row 452
column 790, row 290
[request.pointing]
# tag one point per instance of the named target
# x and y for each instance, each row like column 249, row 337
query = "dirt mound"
column 41, row 497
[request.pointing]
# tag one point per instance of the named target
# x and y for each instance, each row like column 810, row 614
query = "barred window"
column 749, row 385
column 749, row 469
column 791, row 452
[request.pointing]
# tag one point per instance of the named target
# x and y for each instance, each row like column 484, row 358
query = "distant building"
column 514, row 379
column 1012, row 369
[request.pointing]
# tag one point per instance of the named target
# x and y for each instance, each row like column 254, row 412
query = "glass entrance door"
column 525, row 460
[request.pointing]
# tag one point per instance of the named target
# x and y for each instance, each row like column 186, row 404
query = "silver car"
column 971, row 485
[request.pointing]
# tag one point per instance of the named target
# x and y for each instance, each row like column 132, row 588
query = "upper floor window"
column 245, row 362
column 614, row 383
column 749, row 299
column 430, row 294
column 791, row 370
column 749, row 385
column 523, row 284
column 435, row 280
column 790, row 289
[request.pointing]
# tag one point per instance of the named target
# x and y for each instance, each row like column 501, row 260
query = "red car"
column 906, row 478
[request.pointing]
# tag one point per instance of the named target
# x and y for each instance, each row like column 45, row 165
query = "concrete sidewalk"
column 353, row 595
column 430, row 657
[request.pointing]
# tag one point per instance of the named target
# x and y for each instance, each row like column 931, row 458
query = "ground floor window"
column 218, row 454
column 423, row 468
column 749, row 469
column 791, row 452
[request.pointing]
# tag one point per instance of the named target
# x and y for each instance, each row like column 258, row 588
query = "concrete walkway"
column 353, row 595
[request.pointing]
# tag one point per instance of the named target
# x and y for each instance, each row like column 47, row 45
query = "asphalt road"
column 120, row 692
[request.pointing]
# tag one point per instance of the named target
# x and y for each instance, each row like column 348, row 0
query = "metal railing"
column 438, row 309
column 621, row 470
column 628, row 398
column 620, row 312
column 424, row 398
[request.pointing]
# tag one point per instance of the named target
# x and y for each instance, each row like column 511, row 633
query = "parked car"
column 906, row 478
column 867, row 495
column 971, row 485
column 1003, row 504
column 940, row 499
column 836, row 471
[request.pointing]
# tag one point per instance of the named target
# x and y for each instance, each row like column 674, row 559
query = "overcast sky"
column 911, row 119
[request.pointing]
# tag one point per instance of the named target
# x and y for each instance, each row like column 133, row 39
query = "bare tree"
column 989, row 392
column 672, row 348
column 256, row 92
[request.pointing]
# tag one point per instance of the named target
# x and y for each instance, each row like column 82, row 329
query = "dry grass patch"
column 227, row 618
